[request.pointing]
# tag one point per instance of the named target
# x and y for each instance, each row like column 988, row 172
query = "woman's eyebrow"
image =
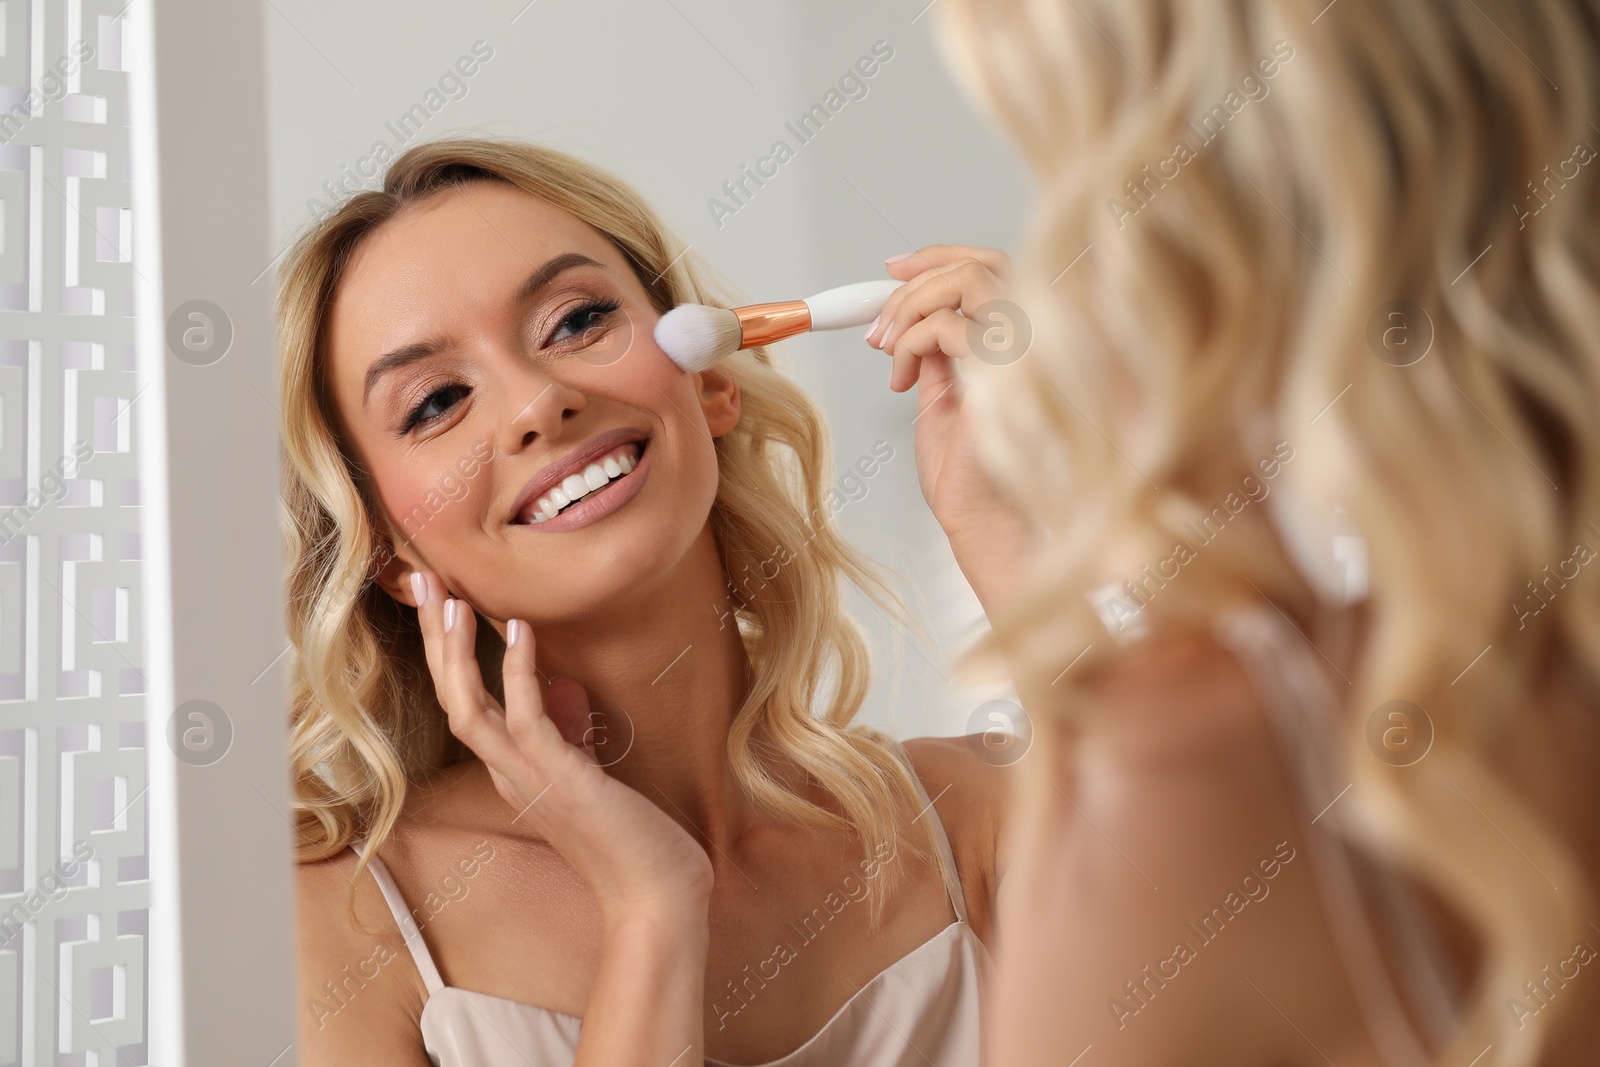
column 543, row 276
column 406, row 354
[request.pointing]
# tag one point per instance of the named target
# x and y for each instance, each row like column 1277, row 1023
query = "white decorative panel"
column 74, row 887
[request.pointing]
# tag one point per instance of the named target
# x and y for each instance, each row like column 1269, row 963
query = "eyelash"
column 414, row 418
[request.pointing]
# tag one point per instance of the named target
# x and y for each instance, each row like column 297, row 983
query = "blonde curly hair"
column 1404, row 152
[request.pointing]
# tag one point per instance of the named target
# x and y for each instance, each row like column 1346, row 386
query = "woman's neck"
column 666, row 672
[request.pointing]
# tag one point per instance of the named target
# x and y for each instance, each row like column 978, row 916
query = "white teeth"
column 575, row 487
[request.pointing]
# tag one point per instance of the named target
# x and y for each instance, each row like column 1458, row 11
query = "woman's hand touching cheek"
column 651, row 879
column 925, row 326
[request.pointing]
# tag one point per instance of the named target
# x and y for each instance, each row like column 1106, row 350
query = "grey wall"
column 676, row 96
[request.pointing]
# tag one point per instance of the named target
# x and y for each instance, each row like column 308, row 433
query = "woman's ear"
column 394, row 575
column 719, row 401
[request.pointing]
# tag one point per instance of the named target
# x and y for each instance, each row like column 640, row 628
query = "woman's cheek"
column 420, row 503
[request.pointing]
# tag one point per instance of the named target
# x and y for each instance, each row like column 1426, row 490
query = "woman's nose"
column 534, row 403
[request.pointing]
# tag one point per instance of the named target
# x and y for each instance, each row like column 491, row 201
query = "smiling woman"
column 495, row 300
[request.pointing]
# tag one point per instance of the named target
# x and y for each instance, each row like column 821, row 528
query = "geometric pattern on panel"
column 74, row 886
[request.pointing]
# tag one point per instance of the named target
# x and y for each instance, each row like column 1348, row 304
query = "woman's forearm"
column 647, row 1005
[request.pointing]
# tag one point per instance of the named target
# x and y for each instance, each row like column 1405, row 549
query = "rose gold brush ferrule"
column 762, row 324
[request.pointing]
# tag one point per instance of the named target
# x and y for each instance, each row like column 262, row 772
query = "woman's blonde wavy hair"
column 1400, row 153
column 365, row 723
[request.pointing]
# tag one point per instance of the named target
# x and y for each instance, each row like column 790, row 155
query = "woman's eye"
column 581, row 321
column 419, row 413
column 584, row 319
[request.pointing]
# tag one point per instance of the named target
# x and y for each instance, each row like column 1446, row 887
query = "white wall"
column 675, row 96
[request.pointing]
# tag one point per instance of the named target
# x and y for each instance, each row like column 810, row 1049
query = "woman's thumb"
column 568, row 707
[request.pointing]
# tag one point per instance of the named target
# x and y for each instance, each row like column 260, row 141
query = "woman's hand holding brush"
column 928, row 311
column 926, row 325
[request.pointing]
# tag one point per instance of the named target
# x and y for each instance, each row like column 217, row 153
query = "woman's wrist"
column 988, row 558
column 667, row 926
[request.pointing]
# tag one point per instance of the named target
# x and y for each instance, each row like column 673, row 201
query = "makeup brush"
column 695, row 336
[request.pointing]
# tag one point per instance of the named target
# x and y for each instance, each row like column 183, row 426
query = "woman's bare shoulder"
column 360, row 996
column 1178, row 699
column 970, row 789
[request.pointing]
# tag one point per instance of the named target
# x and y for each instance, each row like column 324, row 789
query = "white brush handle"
column 849, row 305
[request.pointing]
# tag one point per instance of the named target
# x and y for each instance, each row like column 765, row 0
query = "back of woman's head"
column 1367, row 232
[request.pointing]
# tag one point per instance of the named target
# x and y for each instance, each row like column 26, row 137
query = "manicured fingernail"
column 450, row 613
column 513, row 631
column 896, row 259
column 419, row 588
column 874, row 326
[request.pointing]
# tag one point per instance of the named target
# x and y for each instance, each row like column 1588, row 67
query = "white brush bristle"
column 695, row 336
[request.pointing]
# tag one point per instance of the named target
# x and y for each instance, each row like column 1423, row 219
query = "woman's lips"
column 584, row 479
column 599, row 503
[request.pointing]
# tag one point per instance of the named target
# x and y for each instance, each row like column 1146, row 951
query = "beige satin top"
column 921, row 1011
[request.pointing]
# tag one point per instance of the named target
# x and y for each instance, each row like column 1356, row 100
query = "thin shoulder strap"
column 404, row 919
column 1307, row 713
column 947, row 859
